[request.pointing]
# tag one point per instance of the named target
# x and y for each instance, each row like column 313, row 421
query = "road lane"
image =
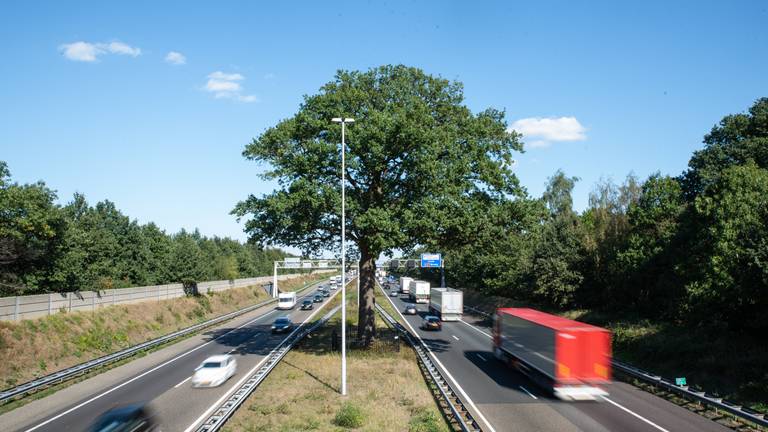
column 510, row 401
column 250, row 337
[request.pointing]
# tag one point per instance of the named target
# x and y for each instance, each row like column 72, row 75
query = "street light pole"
column 343, row 122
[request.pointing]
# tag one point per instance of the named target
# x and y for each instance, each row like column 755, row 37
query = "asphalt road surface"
column 162, row 378
column 503, row 399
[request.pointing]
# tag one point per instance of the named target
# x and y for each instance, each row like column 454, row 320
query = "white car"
column 214, row 371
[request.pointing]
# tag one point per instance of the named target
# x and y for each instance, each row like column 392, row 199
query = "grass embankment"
column 36, row 347
column 386, row 391
column 733, row 365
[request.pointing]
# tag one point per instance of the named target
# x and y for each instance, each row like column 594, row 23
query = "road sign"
column 680, row 382
column 431, row 260
column 291, row 262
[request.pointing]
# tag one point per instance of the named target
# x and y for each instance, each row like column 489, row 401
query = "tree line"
column 691, row 248
column 46, row 247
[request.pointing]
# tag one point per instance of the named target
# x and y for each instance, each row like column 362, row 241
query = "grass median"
column 386, row 391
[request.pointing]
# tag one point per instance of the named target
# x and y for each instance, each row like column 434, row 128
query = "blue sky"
column 621, row 86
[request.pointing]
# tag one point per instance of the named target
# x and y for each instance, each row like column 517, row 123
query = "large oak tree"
column 416, row 156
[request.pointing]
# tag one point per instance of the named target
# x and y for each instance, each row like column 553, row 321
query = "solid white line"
column 636, row 415
column 143, row 374
column 448, row 374
column 471, row 326
column 482, row 358
column 250, row 372
column 454, row 336
column 529, row 393
column 185, row 380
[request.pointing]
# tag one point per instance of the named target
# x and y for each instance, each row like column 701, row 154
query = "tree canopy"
column 417, row 157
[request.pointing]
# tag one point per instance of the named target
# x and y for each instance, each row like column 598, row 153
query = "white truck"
column 419, row 292
column 286, row 300
column 405, row 283
column 447, row 303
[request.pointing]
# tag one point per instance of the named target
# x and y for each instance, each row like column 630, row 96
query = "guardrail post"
column 69, row 296
column 93, row 300
column 50, row 304
column 16, row 310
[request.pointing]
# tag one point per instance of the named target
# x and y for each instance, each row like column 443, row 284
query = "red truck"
column 569, row 358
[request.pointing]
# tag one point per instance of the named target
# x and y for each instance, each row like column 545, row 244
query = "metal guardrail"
column 220, row 415
column 686, row 392
column 69, row 373
column 461, row 415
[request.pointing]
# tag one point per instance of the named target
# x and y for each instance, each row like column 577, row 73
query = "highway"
column 503, row 399
column 162, row 378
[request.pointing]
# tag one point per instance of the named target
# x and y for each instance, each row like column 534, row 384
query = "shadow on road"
column 506, row 376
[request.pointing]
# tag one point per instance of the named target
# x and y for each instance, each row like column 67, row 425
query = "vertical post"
column 358, row 284
column 93, row 300
column 50, row 304
column 343, row 275
column 16, row 310
column 69, row 296
column 274, row 282
column 442, row 273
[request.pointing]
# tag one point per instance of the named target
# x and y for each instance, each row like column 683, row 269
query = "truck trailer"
column 569, row 358
column 405, row 282
column 419, row 291
column 447, row 303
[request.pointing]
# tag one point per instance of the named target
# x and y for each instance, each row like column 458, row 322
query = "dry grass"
column 32, row 348
column 386, row 391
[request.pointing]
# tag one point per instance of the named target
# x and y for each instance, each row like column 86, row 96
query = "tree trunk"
column 366, row 314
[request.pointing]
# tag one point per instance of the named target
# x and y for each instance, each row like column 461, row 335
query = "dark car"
column 326, row 293
column 431, row 322
column 318, row 298
column 127, row 418
column 307, row 304
column 410, row 310
column 281, row 325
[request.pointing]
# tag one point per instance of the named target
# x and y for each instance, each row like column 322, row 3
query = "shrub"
column 427, row 421
column 349, row 416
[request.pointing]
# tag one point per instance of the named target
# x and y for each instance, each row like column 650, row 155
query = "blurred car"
column 326, row 293
column 282, row 324
column 136, row 417
column 318, row 298
column 307, row 304
column 214, row 371
column 431, row 322
column 393, row 293
column 410, row 310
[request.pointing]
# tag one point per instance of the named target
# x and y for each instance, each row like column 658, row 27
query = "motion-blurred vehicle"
column 282, row 324
column 136, row 417
column 214, row 371
column 318, row 298
column 569, row 358
column 431, row 322
column 410, row 310
column 326, row 293
column 307, row 304
column 447, row 303
column 393, row 293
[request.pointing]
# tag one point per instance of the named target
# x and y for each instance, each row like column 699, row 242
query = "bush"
column 427, row 421
column 349, row 416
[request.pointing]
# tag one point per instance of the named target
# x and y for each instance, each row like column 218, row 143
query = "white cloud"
column 227, row 86
column 175, row 58
column 542, row 132
column 89, row 52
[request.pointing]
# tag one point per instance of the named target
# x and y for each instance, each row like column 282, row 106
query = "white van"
column 286, row 300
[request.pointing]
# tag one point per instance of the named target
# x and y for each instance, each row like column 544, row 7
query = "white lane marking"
column 529, row 393
column 99, row 396
column 448, row 374
column 250, row 372
column 471, row 326
column 482, row 358
column 636, row 415
column 454, row 336
column 185, row 380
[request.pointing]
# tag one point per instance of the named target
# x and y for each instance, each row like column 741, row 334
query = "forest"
column 47, row 247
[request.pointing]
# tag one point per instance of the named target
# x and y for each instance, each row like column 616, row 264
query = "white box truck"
column 447, row 303
column 286, row 300
column 419, row 291
column 405, row 282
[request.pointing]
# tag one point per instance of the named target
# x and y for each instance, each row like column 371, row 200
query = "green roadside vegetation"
column 63, row 340
column 386, row 391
